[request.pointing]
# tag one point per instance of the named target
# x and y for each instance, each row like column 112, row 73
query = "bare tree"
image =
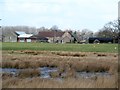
column 86, row 33
column 109, row 30
column 54, row 28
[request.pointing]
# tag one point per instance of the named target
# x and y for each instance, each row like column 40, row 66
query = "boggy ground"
column 66, row 62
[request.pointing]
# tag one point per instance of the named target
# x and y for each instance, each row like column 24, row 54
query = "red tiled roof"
column 50, row 33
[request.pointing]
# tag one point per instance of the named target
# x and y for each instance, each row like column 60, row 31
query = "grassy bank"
column 61, row 47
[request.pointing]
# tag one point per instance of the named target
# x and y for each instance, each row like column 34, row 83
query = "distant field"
column 113, row 48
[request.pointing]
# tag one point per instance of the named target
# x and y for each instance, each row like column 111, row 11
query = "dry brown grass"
column 66, row 62
column 29, row 73
column 90, row 62
column 6, row 76
column 100, row 82
column 74, row 54
column 55, row 74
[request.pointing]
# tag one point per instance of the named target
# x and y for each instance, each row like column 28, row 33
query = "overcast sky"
column 66, row 14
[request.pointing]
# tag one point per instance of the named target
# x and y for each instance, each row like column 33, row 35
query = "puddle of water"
column 92, row 74
column 0, row 70
column 9, row 70
column 45, row 71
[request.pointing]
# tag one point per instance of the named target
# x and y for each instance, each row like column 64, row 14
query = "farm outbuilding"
column 100, row 40
column 23, row 37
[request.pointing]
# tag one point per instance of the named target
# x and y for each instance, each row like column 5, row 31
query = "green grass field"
column 61, row 47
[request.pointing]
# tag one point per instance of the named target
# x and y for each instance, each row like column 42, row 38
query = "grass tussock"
column 8, row 64
column 33, row 52
column 29, row 73
column 74, row 54
column 91, row 67
column 69, row 74
column 6, row 75
column 55, row 74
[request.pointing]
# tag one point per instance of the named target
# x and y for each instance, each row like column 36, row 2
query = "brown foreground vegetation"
column 69, row 62
column 101, row 82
